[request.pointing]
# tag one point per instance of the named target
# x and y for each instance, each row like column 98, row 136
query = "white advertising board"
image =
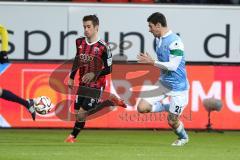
column 47, row 31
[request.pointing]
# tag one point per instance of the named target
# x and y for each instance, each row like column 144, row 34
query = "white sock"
column 180, row 127
column 180, row 131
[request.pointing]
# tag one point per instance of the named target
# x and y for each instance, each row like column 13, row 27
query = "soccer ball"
column 43, row 105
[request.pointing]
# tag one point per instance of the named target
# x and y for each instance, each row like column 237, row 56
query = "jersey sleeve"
column 4, row 36
column 75, row 65
column 175, row 57
column 107, row 62
column 176, row 48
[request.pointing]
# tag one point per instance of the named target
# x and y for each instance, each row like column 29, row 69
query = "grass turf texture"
column 36, row 144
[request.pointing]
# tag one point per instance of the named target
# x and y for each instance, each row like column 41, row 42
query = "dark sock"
column 77, row 128
column 100, row 106
column 8, row 95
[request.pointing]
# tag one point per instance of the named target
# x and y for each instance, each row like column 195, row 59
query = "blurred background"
column 41, row 49
column 42, row 38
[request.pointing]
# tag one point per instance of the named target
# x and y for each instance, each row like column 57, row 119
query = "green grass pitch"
column 43, row 144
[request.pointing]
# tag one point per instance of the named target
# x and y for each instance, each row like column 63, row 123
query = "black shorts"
column 87, row 98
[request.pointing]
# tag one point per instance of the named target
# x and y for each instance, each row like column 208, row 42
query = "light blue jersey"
column 170, row 46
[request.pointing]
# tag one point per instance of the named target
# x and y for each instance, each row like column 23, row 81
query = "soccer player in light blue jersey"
column 173, row 82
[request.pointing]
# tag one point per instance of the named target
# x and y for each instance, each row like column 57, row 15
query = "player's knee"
column 81, row 116
column 144, row 107
column 1, row 92
column 173, row 120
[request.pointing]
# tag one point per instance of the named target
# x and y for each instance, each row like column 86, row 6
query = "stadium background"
column 42, row 38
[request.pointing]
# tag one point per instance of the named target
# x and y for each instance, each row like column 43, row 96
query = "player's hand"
column 145, row 58
column 3, row 57
column 70, row 83
column 88, row 77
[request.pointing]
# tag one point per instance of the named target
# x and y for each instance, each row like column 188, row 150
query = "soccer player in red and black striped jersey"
column 93, row 60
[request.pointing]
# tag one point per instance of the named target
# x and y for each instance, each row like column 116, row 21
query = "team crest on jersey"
column 96, row 50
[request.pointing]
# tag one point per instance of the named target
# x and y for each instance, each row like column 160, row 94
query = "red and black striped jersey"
column 92, row 57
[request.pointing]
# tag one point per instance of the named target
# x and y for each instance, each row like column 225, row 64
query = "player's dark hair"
column 92, row 18
column 157, row 17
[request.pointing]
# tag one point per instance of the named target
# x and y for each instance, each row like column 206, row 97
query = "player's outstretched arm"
column 172, row 65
